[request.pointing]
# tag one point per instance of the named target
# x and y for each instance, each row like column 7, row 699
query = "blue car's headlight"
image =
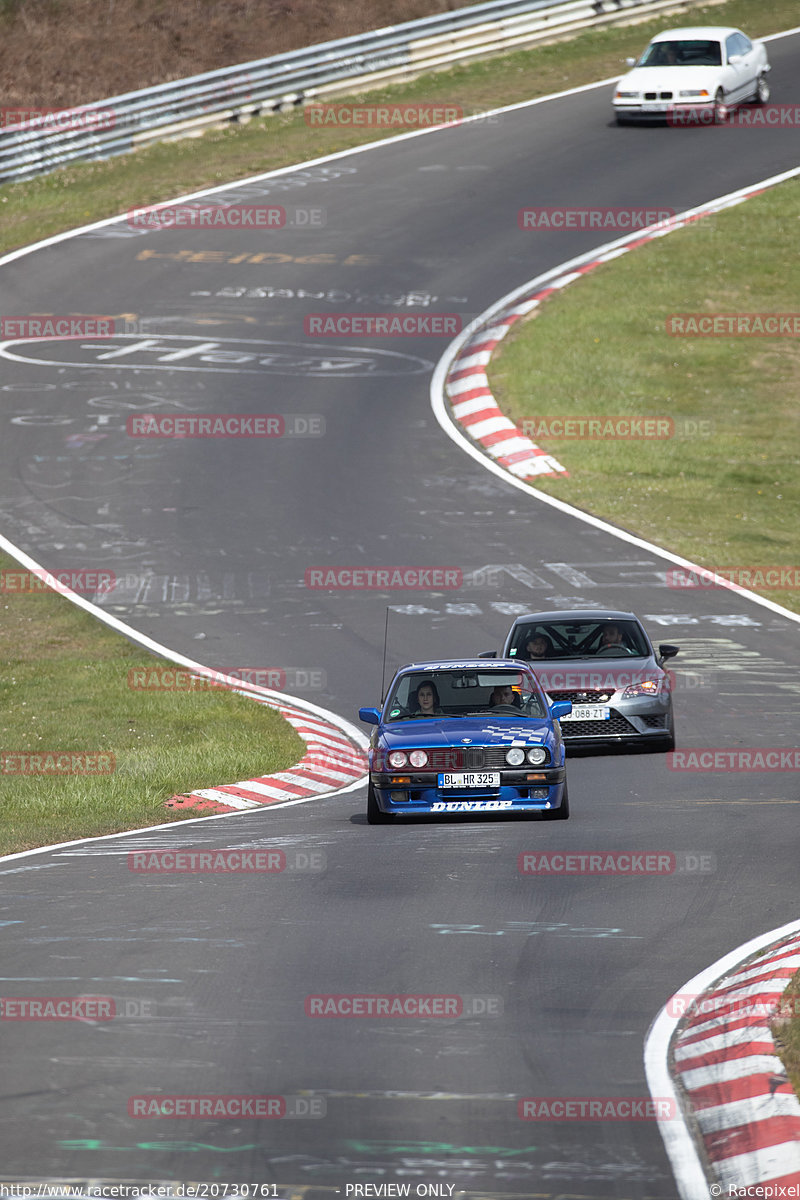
column 397, row 759
column 537, row 756
column 418, row 758
column 515, row 757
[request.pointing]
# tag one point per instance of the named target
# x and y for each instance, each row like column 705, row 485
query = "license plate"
column 588, row 712
column 471, row 779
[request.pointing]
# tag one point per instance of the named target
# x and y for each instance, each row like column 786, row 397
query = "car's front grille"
column 464, row 758
column 650, row 95
column 615, row 726
column 666, row 95
column 589, row 696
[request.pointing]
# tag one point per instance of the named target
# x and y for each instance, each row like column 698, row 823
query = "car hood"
column 461, row 731
column 595, row 674
column 670, row 79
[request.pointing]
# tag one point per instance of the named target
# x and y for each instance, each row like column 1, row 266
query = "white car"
column 705, row 69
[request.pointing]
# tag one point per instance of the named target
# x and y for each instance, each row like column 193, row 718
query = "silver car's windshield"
column 464, row 692
column 550, row 640
column 698, row 52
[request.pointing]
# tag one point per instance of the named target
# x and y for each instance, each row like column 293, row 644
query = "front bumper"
column 631, row 721
column 524, row 790
column 672, row 112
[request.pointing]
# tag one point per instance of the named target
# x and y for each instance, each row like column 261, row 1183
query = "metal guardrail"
column 36, row 145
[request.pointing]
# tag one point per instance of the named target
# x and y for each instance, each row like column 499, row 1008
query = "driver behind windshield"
column 611, row 636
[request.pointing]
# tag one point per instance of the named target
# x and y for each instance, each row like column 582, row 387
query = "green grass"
column 600, row 348
column 786, row 1032
column 64, row 687
column 77, row 195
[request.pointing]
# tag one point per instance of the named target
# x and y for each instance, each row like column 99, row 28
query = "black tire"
column 559, row 814
column 376, row 815
column 761, row 94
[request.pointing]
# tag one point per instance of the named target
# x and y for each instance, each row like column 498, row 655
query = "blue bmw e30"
column 466, row 737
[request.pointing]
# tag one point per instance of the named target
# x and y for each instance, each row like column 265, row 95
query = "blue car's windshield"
column 464, row 692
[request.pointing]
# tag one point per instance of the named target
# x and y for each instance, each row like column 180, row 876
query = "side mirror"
column 733, row 59
column 667, row 651
column 630, row 62
column 370, row 716
column 488, row 654
column 561, row 708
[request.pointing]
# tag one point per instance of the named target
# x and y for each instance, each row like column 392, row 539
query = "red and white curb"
column 735, row 1125
column 742, row 1102
column 461, row 373
column 332, row 761
column 474, row 407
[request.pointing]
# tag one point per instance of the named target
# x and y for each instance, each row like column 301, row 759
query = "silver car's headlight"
column 515, row 757
column 646, row 687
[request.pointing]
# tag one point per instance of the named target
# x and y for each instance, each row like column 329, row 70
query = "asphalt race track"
column 211, row 539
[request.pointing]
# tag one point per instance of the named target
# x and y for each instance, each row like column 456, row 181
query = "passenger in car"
column 538, row 647
column 425, row 701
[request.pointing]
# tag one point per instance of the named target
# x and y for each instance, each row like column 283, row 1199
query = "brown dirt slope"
column 57, row 53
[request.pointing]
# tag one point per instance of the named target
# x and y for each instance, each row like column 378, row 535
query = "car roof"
column 712, row 32
column 469, row 664
column 578, row 614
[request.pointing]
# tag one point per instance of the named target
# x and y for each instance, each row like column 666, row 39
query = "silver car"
column 604, row 663
column 698, row 72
